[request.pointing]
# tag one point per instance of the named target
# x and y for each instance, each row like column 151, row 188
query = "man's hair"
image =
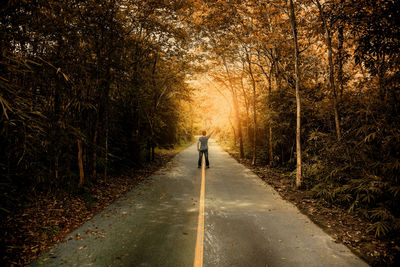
column 203, row 132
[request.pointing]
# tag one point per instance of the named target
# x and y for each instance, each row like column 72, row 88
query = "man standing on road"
column 202, row 147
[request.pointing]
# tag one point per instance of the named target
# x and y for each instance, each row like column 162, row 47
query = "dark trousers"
column 205, row 152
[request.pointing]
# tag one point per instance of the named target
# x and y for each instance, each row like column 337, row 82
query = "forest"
column 89, row 90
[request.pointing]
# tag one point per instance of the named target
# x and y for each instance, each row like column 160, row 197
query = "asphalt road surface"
column 158, row 223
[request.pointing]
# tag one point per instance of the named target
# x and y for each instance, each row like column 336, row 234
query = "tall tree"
column 254, row 102
column 328, row 39
column 293, row 23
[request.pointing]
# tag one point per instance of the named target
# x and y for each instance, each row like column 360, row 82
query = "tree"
column 328, row 40
column 76, row 81
column 298, row 102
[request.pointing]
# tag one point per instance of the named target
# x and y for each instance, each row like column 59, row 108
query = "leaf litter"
column 51, row 216
column 348, row 228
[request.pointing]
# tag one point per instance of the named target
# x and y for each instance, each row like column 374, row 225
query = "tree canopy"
column 92, row 88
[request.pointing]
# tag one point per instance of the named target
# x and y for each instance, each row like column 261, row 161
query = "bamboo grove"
column 94, row 86
column 87, row 88
column 314, row 87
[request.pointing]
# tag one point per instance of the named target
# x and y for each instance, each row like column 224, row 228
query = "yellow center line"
column 198, row 255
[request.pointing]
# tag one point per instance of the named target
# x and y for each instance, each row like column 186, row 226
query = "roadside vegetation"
column 311, row 90
column 91, row 91
column 88, row 91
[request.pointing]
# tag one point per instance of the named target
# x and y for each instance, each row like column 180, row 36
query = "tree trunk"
column 96, row 132
column 328, row 40
column 106, row 155
column 278, row 88
column 238, row 124
column 234, row 132
column 106, row 145
column 236, row 110
column 270, row 150
column 274, row 69
column 271, row 155
column 253, row 84
column 80, row 164
column 340, row 56
column 299, row 178
column 246, row 105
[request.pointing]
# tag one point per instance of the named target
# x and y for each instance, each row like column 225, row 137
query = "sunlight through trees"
column 90, row 89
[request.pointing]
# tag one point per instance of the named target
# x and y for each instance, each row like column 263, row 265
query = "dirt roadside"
column 351, row 229
column 50, row 216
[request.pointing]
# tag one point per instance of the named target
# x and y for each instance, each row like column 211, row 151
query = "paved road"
column 156, row 224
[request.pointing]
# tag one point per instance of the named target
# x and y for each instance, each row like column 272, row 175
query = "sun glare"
column 212, row 104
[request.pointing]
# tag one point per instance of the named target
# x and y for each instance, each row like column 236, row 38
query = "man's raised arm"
column 208, row 136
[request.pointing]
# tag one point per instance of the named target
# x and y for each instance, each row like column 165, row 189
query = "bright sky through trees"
column 212, row 103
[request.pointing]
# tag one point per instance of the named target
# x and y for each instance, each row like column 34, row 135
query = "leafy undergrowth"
column 50, row 216
column 350, row 229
